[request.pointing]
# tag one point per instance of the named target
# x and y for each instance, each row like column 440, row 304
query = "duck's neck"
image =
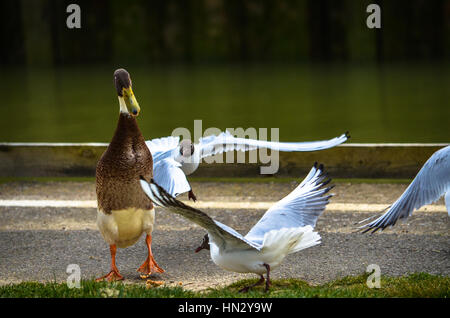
column 127, row 131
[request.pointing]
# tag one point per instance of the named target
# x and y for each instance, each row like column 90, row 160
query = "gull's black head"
column 186, row 148
column 204, row 245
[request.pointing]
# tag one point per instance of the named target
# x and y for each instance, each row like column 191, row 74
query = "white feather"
column 224, row 142
column 168, row 174
column 431, row 183
column 164, row 144
column 166, row 148
column 287, row 227
column 300, row 208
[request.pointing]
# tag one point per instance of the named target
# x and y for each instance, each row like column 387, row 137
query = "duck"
column 174, row 160
column 286, row 227
column 124, row 212
column 431, row 183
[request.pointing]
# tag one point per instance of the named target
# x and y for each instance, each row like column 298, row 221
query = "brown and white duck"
column 124, row 211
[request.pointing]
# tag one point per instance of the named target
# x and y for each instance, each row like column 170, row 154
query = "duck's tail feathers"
column 292, row 239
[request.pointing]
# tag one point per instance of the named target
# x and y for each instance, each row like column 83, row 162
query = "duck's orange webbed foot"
column 112, row 276
column 149, row 267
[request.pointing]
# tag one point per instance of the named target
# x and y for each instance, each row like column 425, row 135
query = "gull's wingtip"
column 321, row 167
column 347, row 134
column 324, row 183
column 369, row 227
column 323, row 175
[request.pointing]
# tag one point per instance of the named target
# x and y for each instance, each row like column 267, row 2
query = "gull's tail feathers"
column 291, row 240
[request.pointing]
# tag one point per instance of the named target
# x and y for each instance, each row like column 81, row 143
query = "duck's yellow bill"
column 130, row 101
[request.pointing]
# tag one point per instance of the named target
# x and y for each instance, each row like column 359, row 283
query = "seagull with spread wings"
column 174, row 160
column 431, row 183
column 287, row 227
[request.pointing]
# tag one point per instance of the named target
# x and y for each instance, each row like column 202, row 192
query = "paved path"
column 38, row 242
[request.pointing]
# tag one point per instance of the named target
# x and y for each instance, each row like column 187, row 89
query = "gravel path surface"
column 39, row 243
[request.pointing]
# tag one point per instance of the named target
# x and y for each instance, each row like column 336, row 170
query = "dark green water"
column 398, row 103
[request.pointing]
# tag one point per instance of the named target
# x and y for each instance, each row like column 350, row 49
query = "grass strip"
column 416, row 285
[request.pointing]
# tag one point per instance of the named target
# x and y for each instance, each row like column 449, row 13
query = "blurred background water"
column 311, row 68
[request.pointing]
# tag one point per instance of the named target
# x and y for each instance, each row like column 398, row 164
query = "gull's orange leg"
column 114, row 274
column 149, row 265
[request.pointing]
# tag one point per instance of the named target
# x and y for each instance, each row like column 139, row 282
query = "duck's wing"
column 229, row 236
column 432, row 181
column 300, row 208
column 168, row 174
column 224, row 142
column 164, row 144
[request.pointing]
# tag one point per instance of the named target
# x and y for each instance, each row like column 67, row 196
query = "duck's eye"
column 134, row 111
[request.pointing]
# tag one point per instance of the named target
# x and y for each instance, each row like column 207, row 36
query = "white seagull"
column 173, row 160
column 431, row 183
column 287, row 227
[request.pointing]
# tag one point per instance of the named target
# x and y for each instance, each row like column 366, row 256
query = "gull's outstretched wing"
column 228, row 236
column 224, row 142
column 167, row 174
column 301, row 207
column 432, row 181
column 159, row 145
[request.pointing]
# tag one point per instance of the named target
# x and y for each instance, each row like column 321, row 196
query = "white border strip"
column 258, row 205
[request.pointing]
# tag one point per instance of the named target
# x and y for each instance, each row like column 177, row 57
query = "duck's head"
column 128, row 103
column 204, row 245
column 186, row 148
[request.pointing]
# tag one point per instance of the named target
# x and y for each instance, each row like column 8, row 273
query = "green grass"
column 417, row 285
